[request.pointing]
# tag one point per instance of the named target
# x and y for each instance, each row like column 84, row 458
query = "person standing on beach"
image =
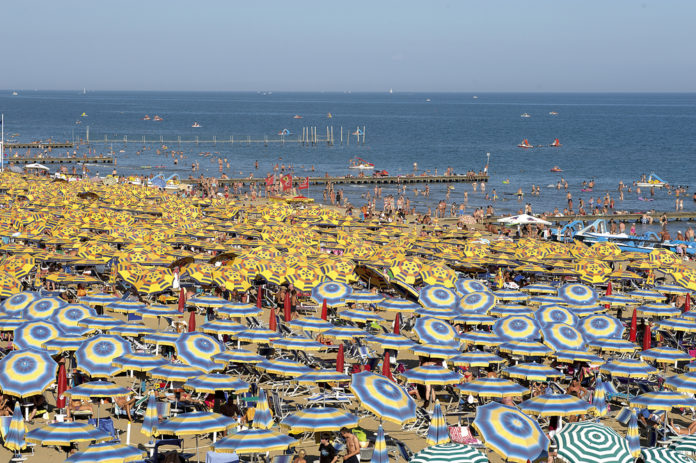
column 352, row 446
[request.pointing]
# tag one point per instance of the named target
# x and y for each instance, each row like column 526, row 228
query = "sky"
column 323, row 45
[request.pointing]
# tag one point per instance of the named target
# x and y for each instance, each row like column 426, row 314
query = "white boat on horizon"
column 525, row 115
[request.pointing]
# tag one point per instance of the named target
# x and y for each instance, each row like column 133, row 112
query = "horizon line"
column 378, row 92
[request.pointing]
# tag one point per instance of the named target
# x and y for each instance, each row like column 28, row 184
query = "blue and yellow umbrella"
column 384, row 398
column 493, row 387
column 263, row 418
column 195, row 423
column 517, row 328
column 442, row 314
column 687, row 325
column 254, row 441
column 671, row 289
column 333, row 292
column 510, row 433
column 318, row 419
column 207, row 301
column 213, row 382
column 532, row 371
column 647, row 295
column 151, row 417
column 137, row 361
column 126, row 306
column 222, row 326
column 14, row 439
column 159, row 310
column 599, row 399
column 540, row 288
column 552, row 314
column 311, row 324
column 510, row 295
column 27, row 372
column 197, row 349
column 99, row 299
column 662, row 400
column 96, row 356
column 555, row 405
column 627, row 368
column 175, row 372
column 359, row 315
column 238, row 310
column 658, row 310
column 474, row 319
column 665, row 355
column 431, row 374
column 437, row 297
column 507, row 310
column 481, row 338
column 283, row 367
column 33, row 334
column 43, row 308
column 617, row 300
column 685, row 383
column 107, row 452
column 572, row 356
column 238, row 356
column 434, row 351
column 531, row 348
column 587, row 310
column 601, row 326
column 132, row 330
column 433, row 331
column 321, row 376
column 390, row 341
column 68, row 317
column 466, row 286
column 103, row 322
column 438, row 432
column 398, row 305
column 257, row 335
column 380, row 454
column 477, row 302
column 99, row 389
column 578, row 294
column 612, row 345
column 64, row 434
column 14, row 305
column 560, row 336
column 162, row 338
column 297, row 343
column 475, row 359
column 8, row 323
column 345, row 333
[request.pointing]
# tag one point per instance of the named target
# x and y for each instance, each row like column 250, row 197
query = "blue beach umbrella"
column 322, row 376
column 380, row 455
column 552, row 314
column 658, row 310
column 238, row 310
column 578, row 294
column 384, row 398
column 493, row 387
column 63, row 434
column 466, row 286
column 68, row 317
column 687, row 325
column 345, row 333
column 195, row 423
column 431, row 374
column 254, row 441
column 333, row 292
column 546, row 299
column 311, row 324
column 531, row 348
column 599, row 401
column 511, row 295
column 685, row 383
column 510, row 433
column 633, row 435
column 213, row 382
column 207, row 301
column 257, row 335
column 297, row 343
column 64, row 343
column 627, row 368
column 474, row 319
column 197, row 349
column 8, row 323
column 103, row 322
column 364, row 297
column 33, row 334
column 151, row 417
column 532, row 371
column 359, row 315
column 175, row 372
column 27, row 372
column 14, row 439
column 398, row 305
column 222, row 326
column 476, row 359
column 555, row 405
column 14, row 305
column 442, row 314
column 586, row 310
column 481, row 338
column 43, row 308
column 613, row 345
column 434, row 351
column 390, row 341
column 437, row 297
column 159, row 310
column 478, row 302
column 671, row 289
column 99, row 299
column 560, row 336
column 438, row 433
column 318, row 419
column 433, row 331
column 163, row 338
column 107, row 452
column 517, row 328
column 283, row 367
column 238, row 356
column 263, row 419
column 647, row 295
column 126, row 306
column 132, row 330
column 601, row 326
column 96, row 356
column 541, row 288
column 665, row 355
column 617, row 300
column 503, row 311
column 662, row 400
column 572, row 356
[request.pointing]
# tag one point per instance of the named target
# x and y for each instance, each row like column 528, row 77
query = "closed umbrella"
column 263, row 419
column 633, row 434
column 14, row 439
column 634, row 326
column 599, row 401
column 380, row 455
column 438, row 433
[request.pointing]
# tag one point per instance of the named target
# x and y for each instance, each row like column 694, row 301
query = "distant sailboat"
column 475, row 97
column 525, row 115
column 157, row 118
column 147, row 117
column 553, row 113
column 15, row 93
column 297, row 116
column 556, row 143
column 329, row 116
column 391, row 91
column 83, row 114
column 84, row 91
column 524, row 144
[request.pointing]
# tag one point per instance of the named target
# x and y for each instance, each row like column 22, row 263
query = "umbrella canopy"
column 96, row 355
column 107, row 452
column 97, row 389
column 33, row 334
column 322, row 376
column 613, row 345
column 253, row 441
column 431, row 374
column 297, row 343
column 437, row 297
column 99, row 299
column 599, row 400
column 466, row 286
column 333, row 292
column 216, row 382
column 552, row 314
column 318, row 419
column 627, row 368
column 685, row 383
column 197, row 349
column 517, row 328
column 391, row 341
column 665, row 355
column 345, row 333
column 436, row 332
column 447, row 453
column 194, row 423
column 560, row 336
column 555, row 405
column 238, row 356
column 493, row 387
column 238, row 310
column 438, row 433
column 441, row 352
column 481, row 338
column 398, row 305
column 658, row 310
column 151, row 418
column 139, row 361
column 126, row 306
column 601, row 326
column 662, row 400
column 476, row 359
column 207, row 301
column 588, row 442
column 263, row 419
column 257, row 335
column 532, row 348
column 15, row 305
column 175, row 372
column 578, row 294
column 66, row 433
column 284, row 367
column 663, row 455
column 14, row 439
column 478, row 302
column 532, row 372
column 380, row 454
column 633, row 434
column 43, row 308
column 222, row 326
column 510, row 433
column 27, row 372
column 383, row 397
column 311, row 324
column 68, row 317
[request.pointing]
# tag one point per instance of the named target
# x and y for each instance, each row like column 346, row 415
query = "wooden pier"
column 62, row 160
column 38, row 145
column 400, row 180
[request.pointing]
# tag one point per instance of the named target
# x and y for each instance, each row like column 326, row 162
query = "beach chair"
column 421, row 424
column 280, row 408
column 162, row 442
column 106, row 425
column 402, row 450
column 219, row 457
column 283, row 458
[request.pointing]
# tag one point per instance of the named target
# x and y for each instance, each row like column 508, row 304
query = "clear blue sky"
column 477, row 46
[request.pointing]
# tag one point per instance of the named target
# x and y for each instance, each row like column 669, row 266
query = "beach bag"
column 462, row 435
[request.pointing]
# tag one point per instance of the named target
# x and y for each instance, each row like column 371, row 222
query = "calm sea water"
column 605, row 137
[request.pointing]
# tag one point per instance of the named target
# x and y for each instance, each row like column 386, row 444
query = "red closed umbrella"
column 687, row 303
column 182, row 300
column 339, row 359
column 259, row 297
column 62, row 386
column 397, row 324
column 286, row 308
column 324, row 310
column 386, row 367
column 608, row 293
column 647, row 341
column 272, row 322
column 192, row 321
column 634, row 326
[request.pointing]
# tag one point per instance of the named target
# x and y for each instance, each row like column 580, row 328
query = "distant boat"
column 391, row 91
column 525, row 115
column 653, row 182
column 196, row 124
column 83, row 114
column 329, row 116
column 297, row 116
column 359, row 163
column 147, row 117
column 157, row 118
column 553, row 113
column 84, row 91
column 475, row 97
column 525, row 144
column 427, row 100
column 556, row 169
column 556, row 143
column 15, row 93
column 284, row 133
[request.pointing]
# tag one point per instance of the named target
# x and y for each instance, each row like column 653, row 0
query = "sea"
column 605, row 137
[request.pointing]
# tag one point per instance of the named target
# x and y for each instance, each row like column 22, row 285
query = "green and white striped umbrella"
column 588, row 442
column 447, row 453
column 663, row 455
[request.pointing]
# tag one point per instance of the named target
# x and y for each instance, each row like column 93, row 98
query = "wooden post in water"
column 214, row 140
column 248, row 139
column 265, row 140
column 179, row 141
column 125, row 139
column 332, row 138
column 143, row 139
column 363, row 134
column 341, row 134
